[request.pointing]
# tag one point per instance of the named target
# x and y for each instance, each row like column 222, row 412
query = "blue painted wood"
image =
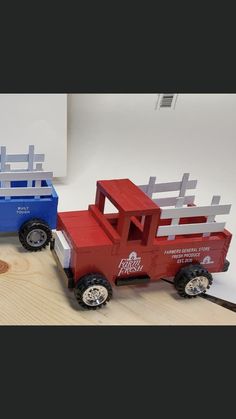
column 17, row 210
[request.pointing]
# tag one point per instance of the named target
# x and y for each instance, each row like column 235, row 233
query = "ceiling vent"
column 166, row 100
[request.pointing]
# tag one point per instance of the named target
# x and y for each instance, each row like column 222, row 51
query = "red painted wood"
column 126, row 196
column 119, row 245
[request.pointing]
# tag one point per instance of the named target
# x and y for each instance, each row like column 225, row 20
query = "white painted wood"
column 184, row 184
column 38, row 167
column 211, row 217
column 38, row 183
column 178, row 212
column 151, row 186
column 174, row 186
column 4, row 167
column 62, row 249
column 30, row 163
column 11, row 170
column 179, row 203
column 43, row 191
column 190, row 229
column 23, row 158
column 31, row 158
column 168, row 202
column 3, row 161
column 195, row 211
column 3, row 158
column 16, row 175
column 19, row 175
column 170, row 186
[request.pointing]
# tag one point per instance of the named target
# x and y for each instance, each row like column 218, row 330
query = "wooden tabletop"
column 33, row 292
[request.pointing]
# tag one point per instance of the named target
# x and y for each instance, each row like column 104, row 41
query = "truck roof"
column 127, row 197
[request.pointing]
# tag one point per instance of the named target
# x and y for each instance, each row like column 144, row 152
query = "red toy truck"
column 144, row 240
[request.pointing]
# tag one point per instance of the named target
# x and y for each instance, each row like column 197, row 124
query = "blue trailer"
column 28, row 200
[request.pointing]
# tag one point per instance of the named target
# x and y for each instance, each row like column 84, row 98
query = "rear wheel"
column 192, row 280
column 93, row 291
column 35, row 235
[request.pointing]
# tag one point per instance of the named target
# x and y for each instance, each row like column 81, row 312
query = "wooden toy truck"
column 28, row 201
column 145, row 240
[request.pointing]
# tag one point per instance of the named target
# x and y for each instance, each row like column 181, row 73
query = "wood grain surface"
column 33, row 292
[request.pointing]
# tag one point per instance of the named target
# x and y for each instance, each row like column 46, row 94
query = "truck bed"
column 16, row 210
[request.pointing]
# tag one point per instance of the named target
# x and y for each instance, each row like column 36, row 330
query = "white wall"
column 39, row 119
column 118, row 135
column 123, row 136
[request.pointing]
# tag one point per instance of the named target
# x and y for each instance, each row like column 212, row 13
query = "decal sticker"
column 207, row 260
column 189, row 254
column 23, row 210
column 131, row 264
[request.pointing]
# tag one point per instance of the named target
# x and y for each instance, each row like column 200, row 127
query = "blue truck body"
column 15, row 211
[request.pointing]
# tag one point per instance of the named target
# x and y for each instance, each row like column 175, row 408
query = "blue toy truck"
column 28, row 200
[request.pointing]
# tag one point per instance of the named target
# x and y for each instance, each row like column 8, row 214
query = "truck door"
column 136, row 251
column 137, row 237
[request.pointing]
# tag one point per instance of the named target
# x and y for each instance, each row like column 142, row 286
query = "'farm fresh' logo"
column 132, row 264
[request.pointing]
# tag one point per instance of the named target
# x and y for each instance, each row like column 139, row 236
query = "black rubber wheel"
column 35, row 235
column 226, row 266
column 192, row 280
column 93, row 291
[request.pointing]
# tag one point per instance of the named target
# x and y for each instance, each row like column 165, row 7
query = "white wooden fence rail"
column 195, row 211
column 179, row 211
column 33, row 172
column 11, row 176
column 182, row 186
column 190, row 228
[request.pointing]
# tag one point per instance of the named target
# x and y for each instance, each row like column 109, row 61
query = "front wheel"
column 192, row 280
column 35, row 235
column 93, row 291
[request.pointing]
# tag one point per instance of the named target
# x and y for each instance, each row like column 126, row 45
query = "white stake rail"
column 32, row 172
column 195, row 211
column 22, row 158
column 181, row 210
column 13, row 176
column 190, row 229
column 44, row 191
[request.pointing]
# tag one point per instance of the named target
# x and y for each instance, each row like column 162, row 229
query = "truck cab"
column 109, row 245
column 137, row 215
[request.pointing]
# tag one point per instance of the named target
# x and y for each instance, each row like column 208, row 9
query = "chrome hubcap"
column 95, row 295
column 197, row 285
column 36, row 237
